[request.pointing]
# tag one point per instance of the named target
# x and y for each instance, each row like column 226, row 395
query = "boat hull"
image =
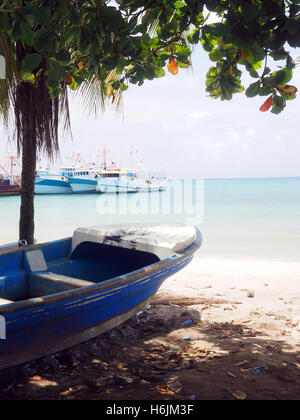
column 8, row 190
column 83, row 186
column 116, row 186
column 49, row 186
column 153, row 189
column 9, row 193
column 41, row 326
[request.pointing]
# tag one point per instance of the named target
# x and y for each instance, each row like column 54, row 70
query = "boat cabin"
column 67, row 171
column 118, row 173
column 83, row 173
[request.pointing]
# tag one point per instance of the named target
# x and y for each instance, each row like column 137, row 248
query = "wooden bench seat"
column 71, row 282
column 47, row 283
column 43, row 282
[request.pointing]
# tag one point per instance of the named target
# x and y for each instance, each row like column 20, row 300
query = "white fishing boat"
column 47, row 182
column 153, row 185
column 83, row 181
column 117, row 181
column 128, row 181
column 150, row 182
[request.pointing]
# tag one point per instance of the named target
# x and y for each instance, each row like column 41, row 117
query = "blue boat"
column 83, row 181
column 58, row 294
column 53, row 183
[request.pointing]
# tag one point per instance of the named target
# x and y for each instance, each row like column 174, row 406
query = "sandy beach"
column 275, row 286
column 221, row 329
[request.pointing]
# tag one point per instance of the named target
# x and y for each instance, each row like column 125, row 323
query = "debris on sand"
column 239, row 395
column 147, row 358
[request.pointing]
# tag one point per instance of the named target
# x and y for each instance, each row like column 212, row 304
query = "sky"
column 176, row 130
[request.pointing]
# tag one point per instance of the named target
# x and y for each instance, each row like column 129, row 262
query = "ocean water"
column 255, row 219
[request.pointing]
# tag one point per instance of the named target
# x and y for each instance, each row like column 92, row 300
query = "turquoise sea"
column 239, row 218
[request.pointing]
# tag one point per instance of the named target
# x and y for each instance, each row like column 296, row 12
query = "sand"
column 275, row 286
column 219, row 330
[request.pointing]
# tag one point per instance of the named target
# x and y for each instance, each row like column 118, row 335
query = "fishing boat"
column 115, row 180
column 118, row 181
column 58, row 294
column 10, row 180
column 153, row 185
column 47, row 182
column 83, row 181
column 7, row 188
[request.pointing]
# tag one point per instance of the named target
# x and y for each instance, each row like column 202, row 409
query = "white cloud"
column 250, row 132
column 197, row 115
column 235, row 135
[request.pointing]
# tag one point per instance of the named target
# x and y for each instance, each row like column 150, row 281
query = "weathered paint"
column 42, row 325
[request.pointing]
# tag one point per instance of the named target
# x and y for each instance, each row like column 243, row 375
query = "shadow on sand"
column 155, row 356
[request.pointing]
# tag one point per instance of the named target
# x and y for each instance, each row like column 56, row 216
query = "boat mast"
column 13, row 162
column 131, row 152
column 105, row 159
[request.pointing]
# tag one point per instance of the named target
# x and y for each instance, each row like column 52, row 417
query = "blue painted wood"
column 13, row 282
column 118, row 284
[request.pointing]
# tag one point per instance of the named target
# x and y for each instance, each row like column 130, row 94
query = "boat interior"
column 53, row 268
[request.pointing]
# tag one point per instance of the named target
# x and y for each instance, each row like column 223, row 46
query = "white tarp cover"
column 161, row 240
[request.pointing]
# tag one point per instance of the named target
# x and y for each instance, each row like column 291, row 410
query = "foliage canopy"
column 77, row 40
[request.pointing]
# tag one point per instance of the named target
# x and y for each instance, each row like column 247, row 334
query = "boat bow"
column 161, row 240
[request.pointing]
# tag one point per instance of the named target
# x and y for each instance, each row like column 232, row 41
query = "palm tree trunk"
column 28, row 177
column 37, row 119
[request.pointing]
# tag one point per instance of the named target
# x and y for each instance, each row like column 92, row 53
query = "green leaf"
column 63, row 57
column 294, row 40
column 123, row 86
column 55, row 70
column 159, row 72
column 267, row 70
column 71, row 35
column 283, row 76
column 292, row 26
column 250, row 12
column 216, row 54
column 112, row 18
column 208, row 42
column 178, row 5
column 194, row 36
column 43, row 15
column 212, row 5
column 253, row 89
column 28, row 77
column 73, row 85
column 279, row 77
column 216, row 29
column 5, row 24
column 31, row 62
column 278, row 104
column 264, row 91
column 54, row 91
column 21, row 31
column 44, row 41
